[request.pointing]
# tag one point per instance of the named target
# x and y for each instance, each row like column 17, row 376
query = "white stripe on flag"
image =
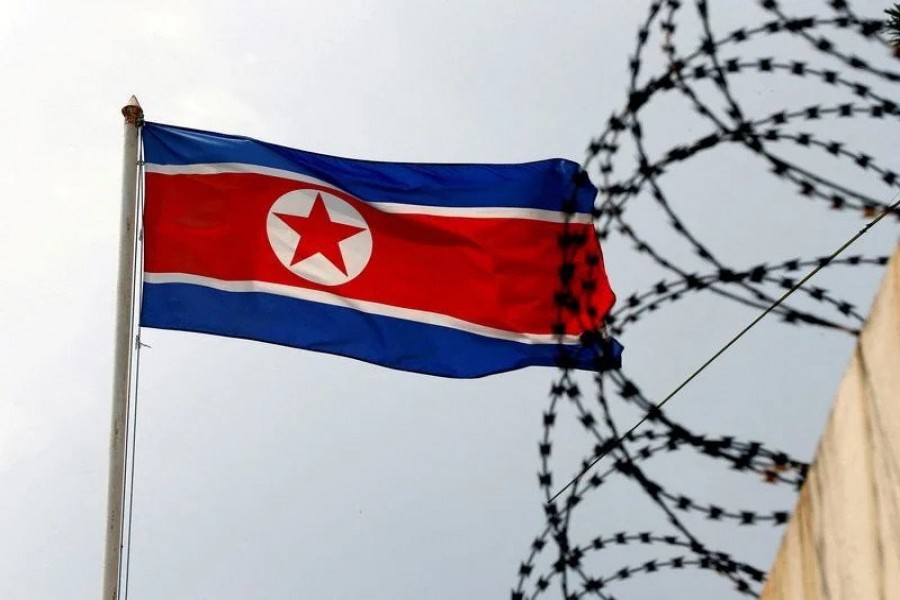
column 480, row 212
column 375, row 308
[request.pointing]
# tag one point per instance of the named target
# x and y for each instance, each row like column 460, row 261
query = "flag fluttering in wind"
column 442, row 269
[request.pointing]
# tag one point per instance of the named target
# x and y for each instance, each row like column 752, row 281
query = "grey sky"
column 267, row 472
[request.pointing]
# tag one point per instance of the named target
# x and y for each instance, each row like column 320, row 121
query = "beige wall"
column 843, row 540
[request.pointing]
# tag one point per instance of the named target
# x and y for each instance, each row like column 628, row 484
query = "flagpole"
column 134, row 117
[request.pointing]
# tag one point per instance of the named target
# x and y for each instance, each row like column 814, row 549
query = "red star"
column 319, row 235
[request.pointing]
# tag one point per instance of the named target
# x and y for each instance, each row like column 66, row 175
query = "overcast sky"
column 267, row 472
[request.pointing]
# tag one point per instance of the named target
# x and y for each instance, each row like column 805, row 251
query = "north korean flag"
column 450, row 270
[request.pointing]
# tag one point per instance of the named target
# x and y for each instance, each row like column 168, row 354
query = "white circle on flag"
column 319, row 236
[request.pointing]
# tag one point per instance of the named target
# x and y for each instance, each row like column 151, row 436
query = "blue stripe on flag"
column 544, row 184
column 388, row 341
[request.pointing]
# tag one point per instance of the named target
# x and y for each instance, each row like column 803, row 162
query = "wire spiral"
column 629, row 167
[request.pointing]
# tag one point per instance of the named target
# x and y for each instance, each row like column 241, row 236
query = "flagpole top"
column 133, row 113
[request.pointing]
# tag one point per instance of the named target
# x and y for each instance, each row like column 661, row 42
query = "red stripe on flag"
column 497, row 272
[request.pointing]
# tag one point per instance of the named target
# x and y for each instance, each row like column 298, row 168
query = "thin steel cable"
column 131, row 363
column 139, row 269
column 730, row 343
column 127, row 569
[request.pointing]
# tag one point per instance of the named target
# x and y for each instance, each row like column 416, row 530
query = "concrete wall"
column 843, row 540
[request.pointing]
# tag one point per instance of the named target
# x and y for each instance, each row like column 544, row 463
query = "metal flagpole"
column 134, row 117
